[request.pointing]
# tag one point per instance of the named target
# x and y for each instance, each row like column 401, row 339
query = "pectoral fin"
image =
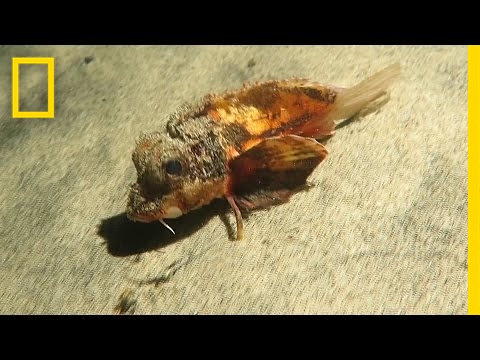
column 270, row 172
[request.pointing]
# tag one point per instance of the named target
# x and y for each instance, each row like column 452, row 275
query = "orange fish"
column 255, row 146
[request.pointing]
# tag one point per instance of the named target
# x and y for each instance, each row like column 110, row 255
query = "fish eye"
column 173, row 167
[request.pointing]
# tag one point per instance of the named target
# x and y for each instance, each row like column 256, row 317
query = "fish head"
column 175, row 175
column 162, row 176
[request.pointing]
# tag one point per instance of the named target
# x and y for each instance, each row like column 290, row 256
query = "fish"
column 255, row 146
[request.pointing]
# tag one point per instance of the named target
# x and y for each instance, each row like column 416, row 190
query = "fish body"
column 255, row 146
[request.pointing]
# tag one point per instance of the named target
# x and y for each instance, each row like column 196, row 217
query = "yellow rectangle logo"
column 473, row 180
column 16, row 113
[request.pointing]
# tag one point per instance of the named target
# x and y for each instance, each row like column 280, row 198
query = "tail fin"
column 352, row 100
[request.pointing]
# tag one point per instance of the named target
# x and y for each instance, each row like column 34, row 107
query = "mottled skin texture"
column 239, row 145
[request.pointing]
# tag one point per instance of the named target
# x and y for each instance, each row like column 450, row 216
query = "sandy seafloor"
column 383, row 230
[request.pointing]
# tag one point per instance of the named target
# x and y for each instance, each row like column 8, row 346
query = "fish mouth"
column 142, row 209
column 142, row 217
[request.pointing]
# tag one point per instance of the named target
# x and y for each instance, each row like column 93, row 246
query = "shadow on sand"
column 125, row 238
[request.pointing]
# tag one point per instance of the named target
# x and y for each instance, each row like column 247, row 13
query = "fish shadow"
column 124, row 237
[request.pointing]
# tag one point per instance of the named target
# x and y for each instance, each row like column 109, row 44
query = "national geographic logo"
column 16, row 62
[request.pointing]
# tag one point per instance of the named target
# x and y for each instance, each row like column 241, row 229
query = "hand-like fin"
column 270, row 172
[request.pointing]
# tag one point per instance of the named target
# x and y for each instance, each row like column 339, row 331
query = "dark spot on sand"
column 251, row 63
column 88, row 59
